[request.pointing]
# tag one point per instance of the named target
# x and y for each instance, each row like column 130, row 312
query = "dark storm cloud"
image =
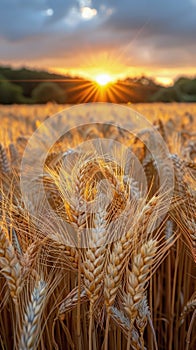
column 167, row 14
column 147, row 31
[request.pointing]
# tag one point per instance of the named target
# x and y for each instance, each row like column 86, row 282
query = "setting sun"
column 103, row 79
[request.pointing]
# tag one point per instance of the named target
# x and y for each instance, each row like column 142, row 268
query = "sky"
column 122, row 38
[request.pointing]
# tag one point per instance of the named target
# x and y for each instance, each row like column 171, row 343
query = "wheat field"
column 133, row 286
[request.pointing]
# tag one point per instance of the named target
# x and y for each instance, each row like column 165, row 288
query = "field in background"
column 140, row 292
column 18, row 120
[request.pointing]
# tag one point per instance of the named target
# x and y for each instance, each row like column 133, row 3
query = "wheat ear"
column 14, row 156
column 119, row 256
column 28, row 259
column 32, row 317
column 10, row 266
column 190, row 306
column 187, row 207
column 123, row 322
column 121, row 249
column 15, row 242
column 137, row 278
column 70, row 302
column 4, row 162
column 142, row 318
column 57, row 249
column 94, row 262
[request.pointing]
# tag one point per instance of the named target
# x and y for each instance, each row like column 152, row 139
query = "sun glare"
column 103, row 79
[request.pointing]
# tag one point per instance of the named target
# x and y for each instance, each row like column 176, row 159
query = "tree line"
column 25, row 86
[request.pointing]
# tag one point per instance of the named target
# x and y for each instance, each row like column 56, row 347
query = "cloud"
column 140, row 32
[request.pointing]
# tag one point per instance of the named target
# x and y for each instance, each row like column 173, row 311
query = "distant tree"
column 49, row 92
column 29, row 79
column 9, row 92
column 187, row 86
column 170, row 94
